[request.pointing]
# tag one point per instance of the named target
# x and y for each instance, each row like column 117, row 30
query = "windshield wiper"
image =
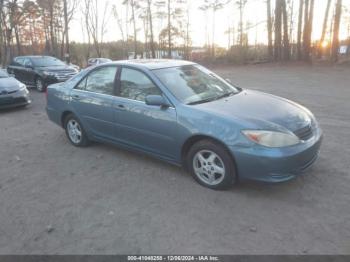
column 226, row 95
column 202, row 101
column 213, row 98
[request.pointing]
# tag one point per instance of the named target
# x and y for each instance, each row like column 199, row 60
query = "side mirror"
column 156, row 100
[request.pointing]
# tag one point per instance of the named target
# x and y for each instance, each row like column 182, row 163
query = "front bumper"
column 276, row 164
column 20, row 98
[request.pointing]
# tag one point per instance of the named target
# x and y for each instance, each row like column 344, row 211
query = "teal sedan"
column 182, row 113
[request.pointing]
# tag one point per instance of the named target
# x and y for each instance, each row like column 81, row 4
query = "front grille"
column 11, row 100
column 3, row 93
column 19, row 100
column 304, row 133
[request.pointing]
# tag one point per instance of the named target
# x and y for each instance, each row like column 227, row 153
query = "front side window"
column 135, row 85
column 193, row 84
column 27, row 62
column 100, row 81
column 19, row 61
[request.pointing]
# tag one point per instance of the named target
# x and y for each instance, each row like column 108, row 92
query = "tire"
column 76, row 136
column 211, row 165
column 39, row 84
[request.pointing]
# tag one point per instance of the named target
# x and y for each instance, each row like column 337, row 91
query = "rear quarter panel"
column 57, row 102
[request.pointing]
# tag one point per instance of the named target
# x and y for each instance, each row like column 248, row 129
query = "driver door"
column 28, row 74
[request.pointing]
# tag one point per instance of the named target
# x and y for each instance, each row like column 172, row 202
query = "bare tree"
column 269, row 28
column 286, row 48
column 335, row 42
column 68, row 12
column 204, row 9
column 278, row 30
column 150, row 17
column 241, row 5
column 214, row 6
column 96, row 28
column 121, row 29
column 300, row 26
column 169, row 29
column 2, row 42
column 309, row 10
column 324, row 28
column 187, row 35
column 133, row 19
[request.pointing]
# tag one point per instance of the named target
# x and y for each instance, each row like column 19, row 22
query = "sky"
column 255, row 13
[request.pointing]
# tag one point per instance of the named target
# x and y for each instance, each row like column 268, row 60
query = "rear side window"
column 99, row 81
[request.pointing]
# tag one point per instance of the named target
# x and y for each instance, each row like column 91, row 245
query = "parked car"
column 98, row 61
column 12, row 92
column 76, row 67
column 40, row 71
column 183, row 113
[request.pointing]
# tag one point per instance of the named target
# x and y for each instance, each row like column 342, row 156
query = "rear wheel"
column 39, row 84
column 75, row 131
column 211, row 165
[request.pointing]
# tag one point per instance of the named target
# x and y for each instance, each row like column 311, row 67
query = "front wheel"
column 211, row 165
column 75, row 131
column 40, row 86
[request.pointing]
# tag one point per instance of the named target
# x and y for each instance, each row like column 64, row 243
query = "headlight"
column 22, row 87
column 271, row 138
column 47, row 73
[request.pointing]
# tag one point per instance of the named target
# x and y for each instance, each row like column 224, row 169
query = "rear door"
column 92, row 101
column 16, row 68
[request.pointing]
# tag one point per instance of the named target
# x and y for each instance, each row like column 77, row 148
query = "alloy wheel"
column 209, row 167
column 74, row 131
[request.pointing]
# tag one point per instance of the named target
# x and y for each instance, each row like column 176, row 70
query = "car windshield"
column 194, row 84
column 3, row 74
column 47, row 61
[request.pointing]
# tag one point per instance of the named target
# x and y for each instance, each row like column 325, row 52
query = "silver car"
column 12, row 92
column 98, row 61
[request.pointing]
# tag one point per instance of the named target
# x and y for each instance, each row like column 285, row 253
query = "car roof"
column 35, row 56
column 153, row 64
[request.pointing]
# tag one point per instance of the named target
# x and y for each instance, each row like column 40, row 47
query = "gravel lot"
column 58, row 199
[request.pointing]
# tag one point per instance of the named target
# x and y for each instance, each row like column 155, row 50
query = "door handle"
column 75, row 96
column 121, row 107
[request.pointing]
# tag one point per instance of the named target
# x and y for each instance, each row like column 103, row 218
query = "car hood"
column 9, row 84
column 57, row 68
column 261, row 111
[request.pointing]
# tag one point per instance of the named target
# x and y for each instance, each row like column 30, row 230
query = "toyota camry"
column 12, row 92
column 182, row 113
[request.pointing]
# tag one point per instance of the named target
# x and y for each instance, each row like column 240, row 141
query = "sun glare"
column 325, row 44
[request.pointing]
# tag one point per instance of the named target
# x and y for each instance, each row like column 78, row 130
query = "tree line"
column 281, row 50
column 42, row 27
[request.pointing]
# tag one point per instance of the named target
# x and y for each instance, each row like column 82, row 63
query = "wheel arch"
column 64, row 116
column 199, row 137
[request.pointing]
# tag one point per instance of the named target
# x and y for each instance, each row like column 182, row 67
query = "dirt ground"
column 58, row 199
